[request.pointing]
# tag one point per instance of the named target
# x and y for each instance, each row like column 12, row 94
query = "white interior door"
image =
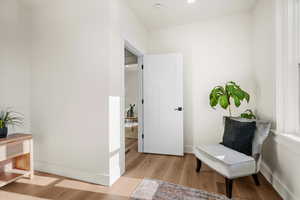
column 163, row 104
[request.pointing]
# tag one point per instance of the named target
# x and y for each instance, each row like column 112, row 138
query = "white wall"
column 131, row 87
column 281, row 156
column 14, row 61
column 264, row 59
column 215, row 51
column 70, row 88
column 63, row 61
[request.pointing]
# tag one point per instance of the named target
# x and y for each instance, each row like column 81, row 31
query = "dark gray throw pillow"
column 239, row 135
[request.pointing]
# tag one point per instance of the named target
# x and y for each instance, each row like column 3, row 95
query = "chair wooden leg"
column 256, row 180
column 199, row 164
column 229, row 185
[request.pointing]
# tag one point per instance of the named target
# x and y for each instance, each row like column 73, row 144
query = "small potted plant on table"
column 9, row 118
column 130, row 112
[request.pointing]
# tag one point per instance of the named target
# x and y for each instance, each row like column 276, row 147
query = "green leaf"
column 240, row 94
column 224, row 103
column 215, row 96
column 247, row 96
column 219, row 90
column 213, row 102
column 229, row 89
column 231, row 83
column 245, row 116
column 248, row 114
column 212, row 99
column 237, row 101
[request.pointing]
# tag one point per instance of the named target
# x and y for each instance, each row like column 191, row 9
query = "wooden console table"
column 16, row 158
column 131, row 127
column 131, row 119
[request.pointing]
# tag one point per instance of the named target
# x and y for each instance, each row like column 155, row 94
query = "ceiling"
column 179, row 12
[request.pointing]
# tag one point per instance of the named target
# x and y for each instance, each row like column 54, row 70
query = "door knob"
column 179, row 109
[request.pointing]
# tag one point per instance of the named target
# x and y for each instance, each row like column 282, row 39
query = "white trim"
column 279, row 55
column 287, row 72
column 91, row 177
column 140, row 105
column 139, row 54
column 289, row 141
column 115, row 174
column 282, row 189
column 132, row 49
column 297, row 56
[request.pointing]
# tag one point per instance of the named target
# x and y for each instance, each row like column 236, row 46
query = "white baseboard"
column 115, row 174
column 282, row 189
column 101, row 179
column 188, row 149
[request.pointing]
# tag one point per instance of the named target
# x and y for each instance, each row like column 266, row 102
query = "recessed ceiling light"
column 191, row 1
column 158, row 5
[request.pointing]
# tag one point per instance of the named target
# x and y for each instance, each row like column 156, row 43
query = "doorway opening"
column 153, row 103
column 133, row 115
column 131, row 102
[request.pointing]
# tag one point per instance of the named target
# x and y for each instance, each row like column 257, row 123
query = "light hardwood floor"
column 179, row 170
column 131, row 144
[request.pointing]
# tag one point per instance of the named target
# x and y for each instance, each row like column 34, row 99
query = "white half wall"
column 214, row 51
column 14, row 61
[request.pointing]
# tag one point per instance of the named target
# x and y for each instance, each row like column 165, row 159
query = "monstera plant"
column 225, row 95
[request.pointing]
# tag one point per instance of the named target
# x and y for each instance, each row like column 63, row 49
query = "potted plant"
column 231, row 92
column 130, row 112
column 9, row 118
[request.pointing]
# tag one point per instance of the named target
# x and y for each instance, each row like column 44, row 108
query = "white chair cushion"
column 226, row 161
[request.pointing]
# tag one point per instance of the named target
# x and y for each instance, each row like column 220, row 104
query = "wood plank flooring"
column 179, row 170
column 130, row 144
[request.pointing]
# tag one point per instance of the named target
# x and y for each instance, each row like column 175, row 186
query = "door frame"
column 140, row 56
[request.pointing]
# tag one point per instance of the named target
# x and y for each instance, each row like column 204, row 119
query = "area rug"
column 160, row 190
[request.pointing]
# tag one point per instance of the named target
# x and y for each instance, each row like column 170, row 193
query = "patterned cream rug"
column 160, row 190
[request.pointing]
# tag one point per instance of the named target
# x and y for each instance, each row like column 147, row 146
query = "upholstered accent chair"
column 230, row 163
